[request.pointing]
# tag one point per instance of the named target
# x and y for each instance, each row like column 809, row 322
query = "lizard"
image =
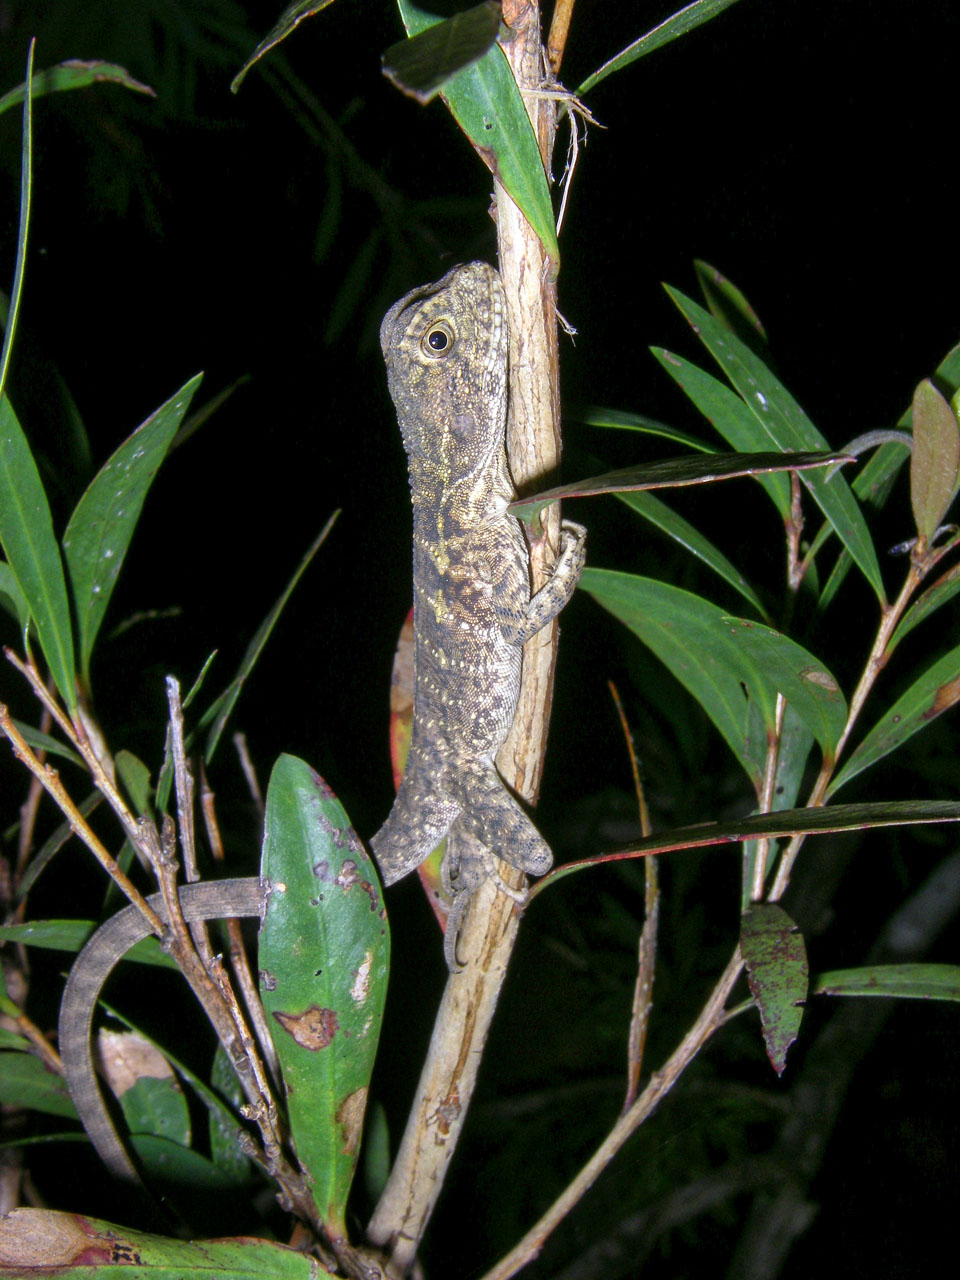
column 445, row 346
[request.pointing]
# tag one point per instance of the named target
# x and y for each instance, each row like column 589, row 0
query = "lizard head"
column 445, row 345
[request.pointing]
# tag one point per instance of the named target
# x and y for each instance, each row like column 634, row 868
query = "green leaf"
column 777, row 972
column 70, row 935
column 673, row 473
column 944, row 589
column 218, row 713
column 875, row 482
column 135, row 776
column 26, row 184
column 13, row 1040
column 144, row 1084
column 100, row 529
column 291, row 17
column 659, row 514
column 728, row 414
column 486, row 104
column 421, row 65
column 26, row 532
column 595, row 416
column 74, row 74
column 34, row 1241
column 678, row 24
column 791, row 822
column 728, row 305
column 789, row 428
column 12, row 598
column 323, row 961
column 26, row 1082
column 935, row 460
column 688, row 635
column 907, row 981
column 935, row 692
column 40, row 741
column 224, row 1127
column 801, row 678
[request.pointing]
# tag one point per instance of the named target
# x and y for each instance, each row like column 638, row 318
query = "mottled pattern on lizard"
column 445, row 347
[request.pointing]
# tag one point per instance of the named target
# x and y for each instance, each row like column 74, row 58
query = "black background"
column 808, row 151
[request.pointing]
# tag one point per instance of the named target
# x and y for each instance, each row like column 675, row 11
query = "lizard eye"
column 437, row 342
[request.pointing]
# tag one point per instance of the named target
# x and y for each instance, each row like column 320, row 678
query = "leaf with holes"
column 776, row 959
column 323, row 960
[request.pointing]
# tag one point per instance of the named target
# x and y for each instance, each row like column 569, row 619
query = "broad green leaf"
column 791, row 822
column 659, row 514
column 687, row 635
column 935, row 692
column 74, row 74
column 789, row 428
column 935, row 459
column 323, row 961
column 621, row 420
column 803, row 680
column 218, row 713
column 36, row 1241
column 26, row 1082
column 944, row 589
column 70, row 935
column 291, row 17
column 673, row 473
column 776, row 960
column 144, row 1084
column 678, row 24
column 907, row 981
column 730, row 306
column 26, row 532
column 422, row 65
column 728, row 414
column 100, row 529
column 486, row 104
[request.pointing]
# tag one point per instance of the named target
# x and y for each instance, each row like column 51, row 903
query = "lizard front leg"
column 544, row 606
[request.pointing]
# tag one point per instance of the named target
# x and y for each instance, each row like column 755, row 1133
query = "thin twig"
column 50, row 780
column 559, row 29
column 249, row 771
column 183, row 784
column 767, row 788
column 711, row 1018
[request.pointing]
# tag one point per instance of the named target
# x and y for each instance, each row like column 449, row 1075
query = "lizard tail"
column 418, row 821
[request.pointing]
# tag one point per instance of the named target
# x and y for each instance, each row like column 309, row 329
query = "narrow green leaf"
column 218, row 713
column 74, row 74
column 906, row 981
column 659, row 514
column 935, row 692
column 14, row 1041
column 421, row 65
column 678, row 24
column 688, row 636
column 224, row 1127
column 100, row 529
column 789, row 428
column 486, row 104
column 90, row 1249
column 791, row 822
column 673, row 473
column 12, row 598
column 728, row 414
column 291, row 17
column 135, row 776
column 620, row 419
column 26, row 184
column 26, row 532
column 46, row 742
column 935, row 460
column 801, row 678
column 728, row 305
column 944, row 589
column 776, row 960
column 70, row 935
column 323, row 961
column 26, row 1082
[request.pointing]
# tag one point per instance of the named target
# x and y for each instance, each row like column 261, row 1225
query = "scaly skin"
column 445, row 347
